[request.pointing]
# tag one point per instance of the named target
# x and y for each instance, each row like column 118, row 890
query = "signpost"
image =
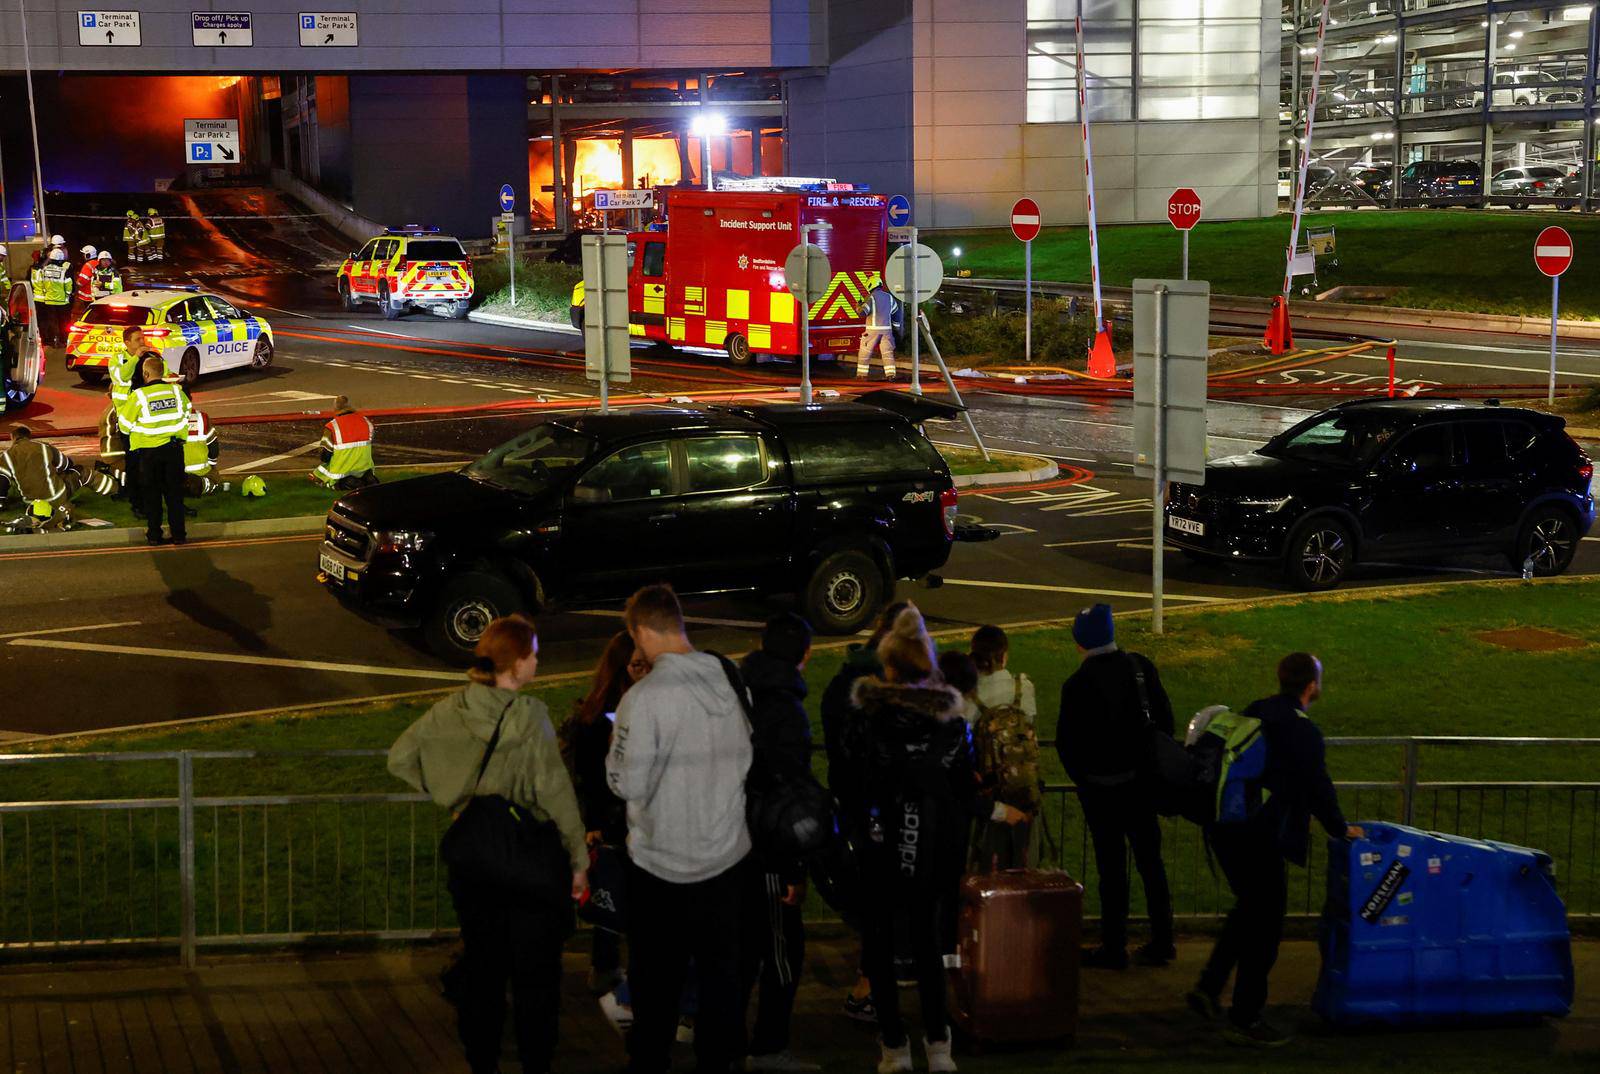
column 1171, row 324
column 606, row 356
column 807, row 274
column 329, row 29
column 211, row 141
column 899, row 211
column 508, row 224
column 610, row 200
column 222, row 29
column 913, row 275
column 1025, row 226
column 108, row 28
column 1552, row 255
column 1183, row 213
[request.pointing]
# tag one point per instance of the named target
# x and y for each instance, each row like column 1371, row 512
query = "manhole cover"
column 1531, row 640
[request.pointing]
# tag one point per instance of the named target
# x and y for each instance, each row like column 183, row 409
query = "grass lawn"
column 967, row 462
column 1454, row 259
column 544, row 290
column 1396, row 665
column 288, row 496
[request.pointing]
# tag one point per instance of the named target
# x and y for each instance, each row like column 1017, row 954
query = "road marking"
column 66, row 630
column 1482, row 365
column 270, row 459
column 232, row 658
column 1096, row 540
column 743, row 624
column 1030, row 587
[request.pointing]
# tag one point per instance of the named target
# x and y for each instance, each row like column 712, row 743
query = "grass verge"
column 969, row 462
column 544, row 289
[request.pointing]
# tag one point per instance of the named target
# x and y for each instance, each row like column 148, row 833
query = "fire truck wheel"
column 739, row 352
column 346, row 299
column 91, row 374
column 390, row 309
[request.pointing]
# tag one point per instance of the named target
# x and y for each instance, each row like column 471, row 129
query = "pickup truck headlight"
column 1265, row 506
column 394, row 541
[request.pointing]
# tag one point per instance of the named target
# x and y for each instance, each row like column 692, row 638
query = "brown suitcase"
column 1018, row 940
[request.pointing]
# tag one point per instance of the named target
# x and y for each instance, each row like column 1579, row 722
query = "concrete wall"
column 451, row 35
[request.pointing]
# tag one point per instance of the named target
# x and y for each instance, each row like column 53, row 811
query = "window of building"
column 1107, row 57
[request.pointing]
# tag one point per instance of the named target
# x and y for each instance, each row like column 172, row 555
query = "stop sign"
column 1552, row 251
column 1183, row 208
column 1025, row 220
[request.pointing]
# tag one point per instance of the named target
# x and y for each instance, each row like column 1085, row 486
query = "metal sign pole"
column 33, row 123
column 1159, row 458
column 605, row 328
column 805, row 318
column 916, row 313
column 511, row 259
column 950, row 383
column 1186, row 253
column 1555, row 306
column 1027, row 290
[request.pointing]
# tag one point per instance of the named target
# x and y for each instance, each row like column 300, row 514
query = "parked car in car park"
column 1536, row 183
column 1390, row 479
column 1441, row 181
column 1522, row 88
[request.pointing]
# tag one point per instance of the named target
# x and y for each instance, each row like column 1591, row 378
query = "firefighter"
column 133, row 236
column 83, row 287
column 5, row 273
column 346, row 450
column 57, row 242
column 52, row 289
column 200, row 451
column 877, row 333
column 155, row 233
column 107, row 280
column 37, row 471
column 113, row 462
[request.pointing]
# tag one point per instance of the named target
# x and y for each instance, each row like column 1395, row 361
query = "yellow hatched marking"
column 738, row 305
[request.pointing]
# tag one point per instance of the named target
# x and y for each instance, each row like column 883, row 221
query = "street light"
column 955, row 255
column 705, row 126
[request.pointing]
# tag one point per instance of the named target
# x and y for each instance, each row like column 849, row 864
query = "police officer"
column 156, row 417
column 52, row 290
column 155, row 233
column 133, row 235
column 878, row 333
column 125, row 367
column 200, row 451
column 346, row 450
column 107, row 280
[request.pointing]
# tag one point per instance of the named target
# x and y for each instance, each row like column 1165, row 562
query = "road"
column 241, row 625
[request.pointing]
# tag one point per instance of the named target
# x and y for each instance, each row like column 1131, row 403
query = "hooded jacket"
column 1296, row 779
column 838, row 710
column 1101, row 734
column 679, row 756
column 440, row 754
column 780, row 731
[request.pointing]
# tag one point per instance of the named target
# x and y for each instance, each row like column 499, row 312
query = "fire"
column 599, row 164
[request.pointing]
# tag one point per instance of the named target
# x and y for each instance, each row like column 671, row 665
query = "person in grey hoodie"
column 679, row 756
column 503, row 936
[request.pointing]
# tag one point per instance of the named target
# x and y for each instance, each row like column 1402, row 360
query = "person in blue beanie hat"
column 1102, row 735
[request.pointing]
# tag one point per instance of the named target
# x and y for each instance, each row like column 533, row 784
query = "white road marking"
column 1076, row 589
column 270, row 459
column 1532, row 370
column 237, row 658
column 1096, row 540
column 66, row 630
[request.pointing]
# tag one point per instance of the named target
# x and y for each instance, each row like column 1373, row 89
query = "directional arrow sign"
column 211, row 141
column 222, row 29
column 325, row 29
column 113, row 28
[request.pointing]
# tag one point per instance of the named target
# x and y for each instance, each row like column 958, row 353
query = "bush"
column 1060, row 337
column 544, row 290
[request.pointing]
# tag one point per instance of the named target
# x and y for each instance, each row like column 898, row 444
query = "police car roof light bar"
column 411, row 229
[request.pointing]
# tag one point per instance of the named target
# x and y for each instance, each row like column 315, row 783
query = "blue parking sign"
column 200, row 151
column 88, row 19
column 308, row 22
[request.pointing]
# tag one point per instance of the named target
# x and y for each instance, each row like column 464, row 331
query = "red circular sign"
column 1552, row 251
column 1183, row 208
column 1025, row 219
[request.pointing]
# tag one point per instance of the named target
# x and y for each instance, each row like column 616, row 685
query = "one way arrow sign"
column 108, row 28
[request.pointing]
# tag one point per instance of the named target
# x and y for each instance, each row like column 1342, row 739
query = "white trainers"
column 620, row 1017
column 939, row 1054
column 894, row 1060
column 778, row 1061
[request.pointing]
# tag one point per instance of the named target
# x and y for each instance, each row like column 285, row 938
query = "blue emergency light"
column 411, row 229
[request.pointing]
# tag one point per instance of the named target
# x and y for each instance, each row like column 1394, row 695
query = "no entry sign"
column 1552, row 251
column 1025, row 220
column 1183, row 208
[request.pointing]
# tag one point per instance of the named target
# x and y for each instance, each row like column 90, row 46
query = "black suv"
column 1393, row 479
column 832, row 502
column 1439, row 181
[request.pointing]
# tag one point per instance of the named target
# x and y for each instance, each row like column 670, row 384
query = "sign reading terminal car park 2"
column 211, row 141
column 609, row 200
column 1552, row 255
column 108, row 28
column 328, row 29
column 222, row 29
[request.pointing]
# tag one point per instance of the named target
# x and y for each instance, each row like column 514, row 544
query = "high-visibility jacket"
column 84, row 292
column 132, row 231
column 347, row 443
column 107, row 282
column 155, row 228
column 37, row 470
column 52, row 283
column 113, row 444
column 200, row 447
column 154, row 415
column 5, row 281
column 122, row 367
column 878, row 310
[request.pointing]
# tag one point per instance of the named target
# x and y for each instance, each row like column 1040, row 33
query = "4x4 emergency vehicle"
column 712, row 275
column 408, row 267
column 195, row 332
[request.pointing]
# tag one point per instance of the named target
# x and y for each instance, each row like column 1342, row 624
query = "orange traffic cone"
column 1102, row 362
column 1279, row 337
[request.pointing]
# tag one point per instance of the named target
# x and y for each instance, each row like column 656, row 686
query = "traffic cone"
column 1279, row 337
column 1102, row 362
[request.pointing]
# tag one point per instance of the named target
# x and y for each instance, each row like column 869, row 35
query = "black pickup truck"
column 832, row 502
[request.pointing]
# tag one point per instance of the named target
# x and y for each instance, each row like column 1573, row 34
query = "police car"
column 408, row 268
column 196, row 332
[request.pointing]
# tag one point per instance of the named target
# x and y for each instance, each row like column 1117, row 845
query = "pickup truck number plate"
column 332, row 567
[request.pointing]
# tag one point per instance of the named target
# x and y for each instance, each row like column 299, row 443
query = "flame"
column 599, row 164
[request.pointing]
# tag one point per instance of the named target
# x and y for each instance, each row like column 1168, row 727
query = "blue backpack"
column 1237, row 752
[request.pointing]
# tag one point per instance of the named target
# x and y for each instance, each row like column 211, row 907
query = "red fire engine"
column 713, row 275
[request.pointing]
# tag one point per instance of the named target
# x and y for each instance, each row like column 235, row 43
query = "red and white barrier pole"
column 1300, row 183
column 1102, row 362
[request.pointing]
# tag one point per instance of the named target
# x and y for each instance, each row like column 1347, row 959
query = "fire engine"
column 711, row 274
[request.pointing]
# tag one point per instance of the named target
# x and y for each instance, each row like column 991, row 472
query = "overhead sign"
column 807, row 277
column 328, row 29
column 899, row 210
column 897, row 274
column 1025, row 220
column 508, row 198
column 222, row 29
column 1183, row 208
column 1179, row 359
column 608, row 200
column 211, row 141
column 105, row 28
column 1552, row 251
column 606, row 355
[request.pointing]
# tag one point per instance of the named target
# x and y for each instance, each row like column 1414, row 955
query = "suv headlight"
column 1264, row 505
column 393, row 541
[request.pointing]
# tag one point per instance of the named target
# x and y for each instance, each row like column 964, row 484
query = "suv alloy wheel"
column 1548, row 541
column 1318, row 554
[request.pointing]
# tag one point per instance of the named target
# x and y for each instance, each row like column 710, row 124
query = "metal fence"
column 155, row 863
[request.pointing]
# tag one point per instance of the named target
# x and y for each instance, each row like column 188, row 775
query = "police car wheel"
column 738, row 348
column 189, row 367
column 91, row 375
column 465, row 607
column 346, row 299
column 844, row 592
column 262, row 357
column 387, row 306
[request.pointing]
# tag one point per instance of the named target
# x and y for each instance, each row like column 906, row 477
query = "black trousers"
column 1120, row 818
column 1249, row 939
column 771, row 956
column 668, row 926
column 132, row 484
column 917, row 902
column 504, row 941
column 161, row 479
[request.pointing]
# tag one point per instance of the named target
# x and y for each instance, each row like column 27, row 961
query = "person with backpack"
column 680, row 754
column 1006, row 753
column 991, row 652
column 773, row 951
column 1108, row 706
column 1264, row 822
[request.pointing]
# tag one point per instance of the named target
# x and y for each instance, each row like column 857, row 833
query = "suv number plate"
column 332, row 567
column 1182, row 525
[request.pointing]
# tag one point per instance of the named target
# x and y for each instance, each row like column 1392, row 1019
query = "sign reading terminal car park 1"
column 108, row 28
column 329, row 29
column 211, row 141
column 1552, row 255
column 222, row 29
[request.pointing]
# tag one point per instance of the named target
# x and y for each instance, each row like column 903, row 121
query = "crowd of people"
column 928, row 766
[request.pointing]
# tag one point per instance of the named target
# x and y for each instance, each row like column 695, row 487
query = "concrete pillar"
column 755, row 148
column 626, row 148
column 558, row 166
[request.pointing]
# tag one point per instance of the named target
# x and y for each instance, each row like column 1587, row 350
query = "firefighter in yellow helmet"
column 35, row 471
column 156, row 418
column 133, row 236
column 155, row 233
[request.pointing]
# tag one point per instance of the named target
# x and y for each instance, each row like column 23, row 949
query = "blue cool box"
column 1423, row 928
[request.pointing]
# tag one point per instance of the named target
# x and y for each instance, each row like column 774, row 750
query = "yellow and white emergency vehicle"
column 412, row 267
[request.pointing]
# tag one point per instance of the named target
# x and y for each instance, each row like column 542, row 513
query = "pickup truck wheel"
column 739, row 352
column 465, row 607
column 844, row 592
column 1548, row 540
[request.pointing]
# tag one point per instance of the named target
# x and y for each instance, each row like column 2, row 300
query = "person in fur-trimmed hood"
column 911, row 765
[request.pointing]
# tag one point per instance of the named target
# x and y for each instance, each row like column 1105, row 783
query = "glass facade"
column 1145, row 59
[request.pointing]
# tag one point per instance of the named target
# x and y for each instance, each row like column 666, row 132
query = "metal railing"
column 161, row 862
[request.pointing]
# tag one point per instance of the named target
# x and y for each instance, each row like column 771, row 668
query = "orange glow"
column 599, row 164
column 228, row 81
